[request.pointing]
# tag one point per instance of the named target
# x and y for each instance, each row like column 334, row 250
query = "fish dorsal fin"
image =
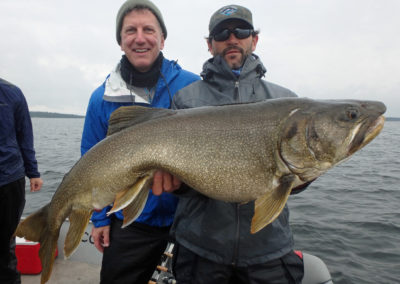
column 268, row 207
column 127, row 116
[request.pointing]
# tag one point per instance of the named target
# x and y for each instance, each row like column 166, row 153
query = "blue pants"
column 12, row 202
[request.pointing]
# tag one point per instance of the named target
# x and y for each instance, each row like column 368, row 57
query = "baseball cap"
column 230, row 12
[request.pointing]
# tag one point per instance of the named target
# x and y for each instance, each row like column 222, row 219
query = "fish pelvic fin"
column 127, row 116
column 130, row 195
column 268, row 207
column 134, row 209
column 78, row 219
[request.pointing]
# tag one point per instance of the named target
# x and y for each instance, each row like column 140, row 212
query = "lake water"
column 349, row 217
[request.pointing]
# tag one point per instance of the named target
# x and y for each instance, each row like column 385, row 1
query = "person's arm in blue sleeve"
column 95, row 126
column 100, row 219
column 95, row 130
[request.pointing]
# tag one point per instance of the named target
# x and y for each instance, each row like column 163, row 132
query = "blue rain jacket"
column 159, row 210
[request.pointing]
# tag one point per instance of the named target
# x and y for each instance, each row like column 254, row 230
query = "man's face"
column 233, row 50
column 141, row 39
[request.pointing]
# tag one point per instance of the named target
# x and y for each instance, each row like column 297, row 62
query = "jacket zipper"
column 236, row 248
column 236, row 92
column 237, row 239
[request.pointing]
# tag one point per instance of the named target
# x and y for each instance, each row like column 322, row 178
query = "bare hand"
column 101, row 237
column 164, row 182
column 36, row 184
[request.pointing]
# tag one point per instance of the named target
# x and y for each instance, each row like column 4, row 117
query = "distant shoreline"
column 44, row 114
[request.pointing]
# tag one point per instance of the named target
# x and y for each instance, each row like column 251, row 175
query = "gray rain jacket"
column 217, row 230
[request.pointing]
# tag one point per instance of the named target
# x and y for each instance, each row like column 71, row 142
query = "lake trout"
column 234, row 153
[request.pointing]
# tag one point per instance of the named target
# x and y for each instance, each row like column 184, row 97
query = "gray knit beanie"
column 129, row 6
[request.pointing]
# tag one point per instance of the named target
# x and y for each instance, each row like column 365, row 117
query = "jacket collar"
column 116, row 89
column 217, row 66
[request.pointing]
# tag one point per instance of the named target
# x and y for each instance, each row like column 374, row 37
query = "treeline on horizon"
column 392, row 118
column 44, row 114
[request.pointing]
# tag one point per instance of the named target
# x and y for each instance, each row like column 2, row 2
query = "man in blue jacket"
column 17, row 160
column 142, row 77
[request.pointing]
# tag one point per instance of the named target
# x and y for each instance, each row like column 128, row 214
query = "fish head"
column 320, row 134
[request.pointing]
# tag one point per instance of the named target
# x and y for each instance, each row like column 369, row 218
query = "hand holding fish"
column 164, row 182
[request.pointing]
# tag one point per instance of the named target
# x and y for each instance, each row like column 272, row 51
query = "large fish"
column 235, row 153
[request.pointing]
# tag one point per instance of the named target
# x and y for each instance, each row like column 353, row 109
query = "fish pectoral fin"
column 268, row 207
column 78, row 220
column 127, row 196
column 133, row 210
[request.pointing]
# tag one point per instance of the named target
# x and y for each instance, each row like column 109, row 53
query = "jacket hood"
column 217, row 66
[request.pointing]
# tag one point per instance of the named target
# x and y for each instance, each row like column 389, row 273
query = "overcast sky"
column 58, row 52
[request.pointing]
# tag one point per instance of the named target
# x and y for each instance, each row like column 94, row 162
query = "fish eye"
column 352, row 114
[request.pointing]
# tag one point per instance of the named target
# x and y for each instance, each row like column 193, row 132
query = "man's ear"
column 162, row 42
column 254, row 43
column 209, row 44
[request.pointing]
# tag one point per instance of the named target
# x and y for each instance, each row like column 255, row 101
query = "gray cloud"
column 58, row 53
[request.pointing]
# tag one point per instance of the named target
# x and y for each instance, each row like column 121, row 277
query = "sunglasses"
column 238, row 32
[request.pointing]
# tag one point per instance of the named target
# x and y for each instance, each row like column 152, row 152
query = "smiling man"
column 142, row 77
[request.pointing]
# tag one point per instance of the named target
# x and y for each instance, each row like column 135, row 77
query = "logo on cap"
column 228, row 11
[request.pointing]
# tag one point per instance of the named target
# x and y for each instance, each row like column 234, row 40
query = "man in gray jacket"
column 213, row 239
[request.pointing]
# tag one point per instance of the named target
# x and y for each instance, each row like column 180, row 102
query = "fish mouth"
column 370, row 133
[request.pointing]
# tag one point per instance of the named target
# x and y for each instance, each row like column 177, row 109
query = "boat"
column 83, row 266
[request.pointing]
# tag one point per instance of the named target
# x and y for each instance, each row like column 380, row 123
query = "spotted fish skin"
column 234, row 153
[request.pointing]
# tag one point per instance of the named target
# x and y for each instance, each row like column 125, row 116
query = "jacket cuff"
column 101, row 223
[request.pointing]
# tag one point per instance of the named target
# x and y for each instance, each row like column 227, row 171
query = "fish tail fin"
column 78, row 219
column 268, row 207
column 35, row 228
column 32, row 227
column 48, row 247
